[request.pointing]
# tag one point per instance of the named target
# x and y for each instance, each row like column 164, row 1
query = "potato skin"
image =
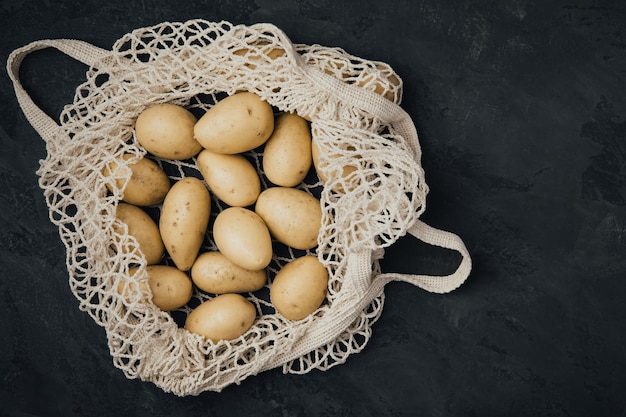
column 214, row 273
column 166, row 130
column 242, row 236
column 224, row 317
column 299, row 288
column 236, row 124
column 293, row 216
column 147, row 185
column 184, row 220
column 287, row 153
column 171, row 288
column 143, row 229
column 232, row 178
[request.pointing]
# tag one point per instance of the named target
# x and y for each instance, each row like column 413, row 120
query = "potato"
column 166, row 130
column 125, row 288
column 225, row 317
column 214, row 273
column 171, row 288
column 232, row 178
column 293, row 216
column 349, row 182
column 299, row 288
column 265, row 53
column 236, row 124
column 242, row 236
column 287, row 153
column 143, row 229
column 184, row 220
column 147, row 184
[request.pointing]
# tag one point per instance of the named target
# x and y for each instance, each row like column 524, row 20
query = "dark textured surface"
column 521, row 109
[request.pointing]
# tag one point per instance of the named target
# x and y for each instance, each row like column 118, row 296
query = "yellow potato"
column 293, row 216
column 214, row 273
column 125, row 288
column 236, row 124
column 171, row 288
column 225, row 317
column 299, row 288
column 265, row 51
column 350, row 181
column 242, row 236
column 143, row 229
column 166, row 130
column 287, row 153
column 232, row 178
column 147, row 184
column 184, row 220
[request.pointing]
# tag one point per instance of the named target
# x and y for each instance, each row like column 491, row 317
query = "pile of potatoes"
column 244, row 231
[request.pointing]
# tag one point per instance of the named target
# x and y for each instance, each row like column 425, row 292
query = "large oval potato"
column 293, row 216
column 232, row 178
column 143, row 229
column 184, row 220
column 299, row 288
column 348, row 182
column 287, row 153
column 215, row 273
column 147, row 185
column 225, row 317
column 166, row 130
column 236, row 124
column 242, row 236
column 171, row 288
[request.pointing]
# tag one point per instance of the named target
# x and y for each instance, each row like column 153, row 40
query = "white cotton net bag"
column 372, row 193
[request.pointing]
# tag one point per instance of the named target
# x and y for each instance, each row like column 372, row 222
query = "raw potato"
column 232, row 178
column 171, row 288
column 265, row 54
column 214, row 273
column 293, row 216
column 225, row 317
column 349, row 182
column 143, row 229
column 287, row 153
column 236, row 124
column 147, row 185
column 242, row 236
column 166, row 130
column 300, row 287
column 125, row 288
column 184, row 220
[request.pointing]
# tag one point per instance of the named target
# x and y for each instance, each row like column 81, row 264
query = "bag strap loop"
column 82, row 51
column 436, row 284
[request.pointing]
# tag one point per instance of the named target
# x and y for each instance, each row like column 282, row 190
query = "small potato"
column 287, row 153
column 184, row 220
column 299, row 288
column 214, row 273
column 266, row 52
column 236, row 124
column 166, row 130
column 125, row 288
column 225, row 317
column 143, row 229
column 171, row 288
column 147, row 184
column 232, row 178
column 242, row 236
column 293, row 216
column 349, row 182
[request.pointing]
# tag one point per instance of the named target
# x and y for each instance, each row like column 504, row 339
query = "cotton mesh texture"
column 365, row 208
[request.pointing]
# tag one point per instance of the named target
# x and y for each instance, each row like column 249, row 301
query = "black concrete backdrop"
column 521, row 110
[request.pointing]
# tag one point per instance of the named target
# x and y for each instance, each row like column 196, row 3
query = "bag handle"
column 440, row 284
column 82, row 51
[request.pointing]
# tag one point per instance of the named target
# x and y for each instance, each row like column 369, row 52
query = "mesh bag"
column 353, row 108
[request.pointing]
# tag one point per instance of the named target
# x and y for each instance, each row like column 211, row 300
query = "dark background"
column 521, row 109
